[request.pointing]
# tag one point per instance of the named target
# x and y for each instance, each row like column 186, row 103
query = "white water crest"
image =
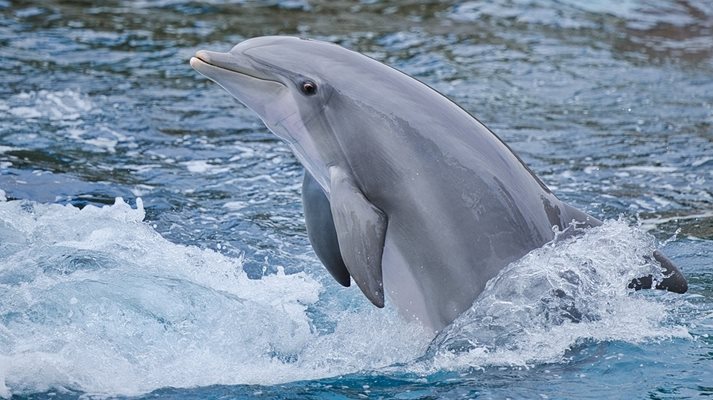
column 95, row 300
column 566, row 293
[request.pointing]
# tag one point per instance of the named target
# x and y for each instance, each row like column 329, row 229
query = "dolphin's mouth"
column 205, row 60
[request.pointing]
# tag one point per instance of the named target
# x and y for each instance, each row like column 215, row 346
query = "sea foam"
column 95, row 300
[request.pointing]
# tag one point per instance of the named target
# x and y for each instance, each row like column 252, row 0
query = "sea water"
column 151, row 235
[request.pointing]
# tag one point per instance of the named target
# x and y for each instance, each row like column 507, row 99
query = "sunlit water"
column 199, row 280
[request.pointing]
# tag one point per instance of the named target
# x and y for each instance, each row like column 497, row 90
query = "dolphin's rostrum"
column 404, row 191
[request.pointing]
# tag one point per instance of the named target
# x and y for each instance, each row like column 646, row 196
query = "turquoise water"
column 200, row 282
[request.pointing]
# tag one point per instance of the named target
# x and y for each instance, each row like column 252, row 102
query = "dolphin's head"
column 286, row 81
column 270, row 77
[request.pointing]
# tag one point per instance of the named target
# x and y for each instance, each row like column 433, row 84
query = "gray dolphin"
column 404, row 191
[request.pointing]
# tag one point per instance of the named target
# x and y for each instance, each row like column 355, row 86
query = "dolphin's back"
column 460, row 204
column 411, row 184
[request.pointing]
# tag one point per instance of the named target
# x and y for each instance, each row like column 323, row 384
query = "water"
column 201, row 282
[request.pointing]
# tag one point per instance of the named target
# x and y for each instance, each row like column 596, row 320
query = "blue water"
column 199, row 282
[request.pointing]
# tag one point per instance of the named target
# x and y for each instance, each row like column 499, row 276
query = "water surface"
column 207, row 286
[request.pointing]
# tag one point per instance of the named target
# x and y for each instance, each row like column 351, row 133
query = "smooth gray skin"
column 425, row 202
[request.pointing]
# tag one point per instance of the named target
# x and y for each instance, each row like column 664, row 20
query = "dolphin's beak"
column 206, row 62
column 243, row 79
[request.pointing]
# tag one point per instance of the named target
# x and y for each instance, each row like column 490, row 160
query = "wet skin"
column 404, row 192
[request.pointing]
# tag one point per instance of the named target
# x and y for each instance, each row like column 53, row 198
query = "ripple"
column 610, row 103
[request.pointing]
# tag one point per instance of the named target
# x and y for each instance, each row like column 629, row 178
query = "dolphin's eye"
column 309, row 88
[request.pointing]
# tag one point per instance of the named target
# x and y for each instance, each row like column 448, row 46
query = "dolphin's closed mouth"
column 204, row 60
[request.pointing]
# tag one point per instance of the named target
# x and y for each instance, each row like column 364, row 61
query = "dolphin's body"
column 404, row 191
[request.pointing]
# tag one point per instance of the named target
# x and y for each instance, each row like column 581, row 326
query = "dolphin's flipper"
column 673, row 281
column 320, row 229
column 361, row 230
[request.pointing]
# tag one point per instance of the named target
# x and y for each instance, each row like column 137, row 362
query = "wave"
column 562, row 295
column 95, row 300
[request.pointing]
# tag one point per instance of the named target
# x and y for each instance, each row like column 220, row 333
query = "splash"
column 95, row 300
column 559, row 296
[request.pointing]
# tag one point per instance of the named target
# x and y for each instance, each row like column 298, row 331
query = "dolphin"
column 404, row 191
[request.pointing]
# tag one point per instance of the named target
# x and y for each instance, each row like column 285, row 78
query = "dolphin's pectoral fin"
column 673, row 281
column 320, row 229
column 361, row 230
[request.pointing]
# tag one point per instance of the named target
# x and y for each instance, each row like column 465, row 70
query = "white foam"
column 67, row 109
column 650, row 224
column 651, row 169
column 105, row 143
column 95, row 300
column 235, row 205
column 5, row 149
column 204, row 167
column 556, row 297
column 66, row 105
column 701, row 161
